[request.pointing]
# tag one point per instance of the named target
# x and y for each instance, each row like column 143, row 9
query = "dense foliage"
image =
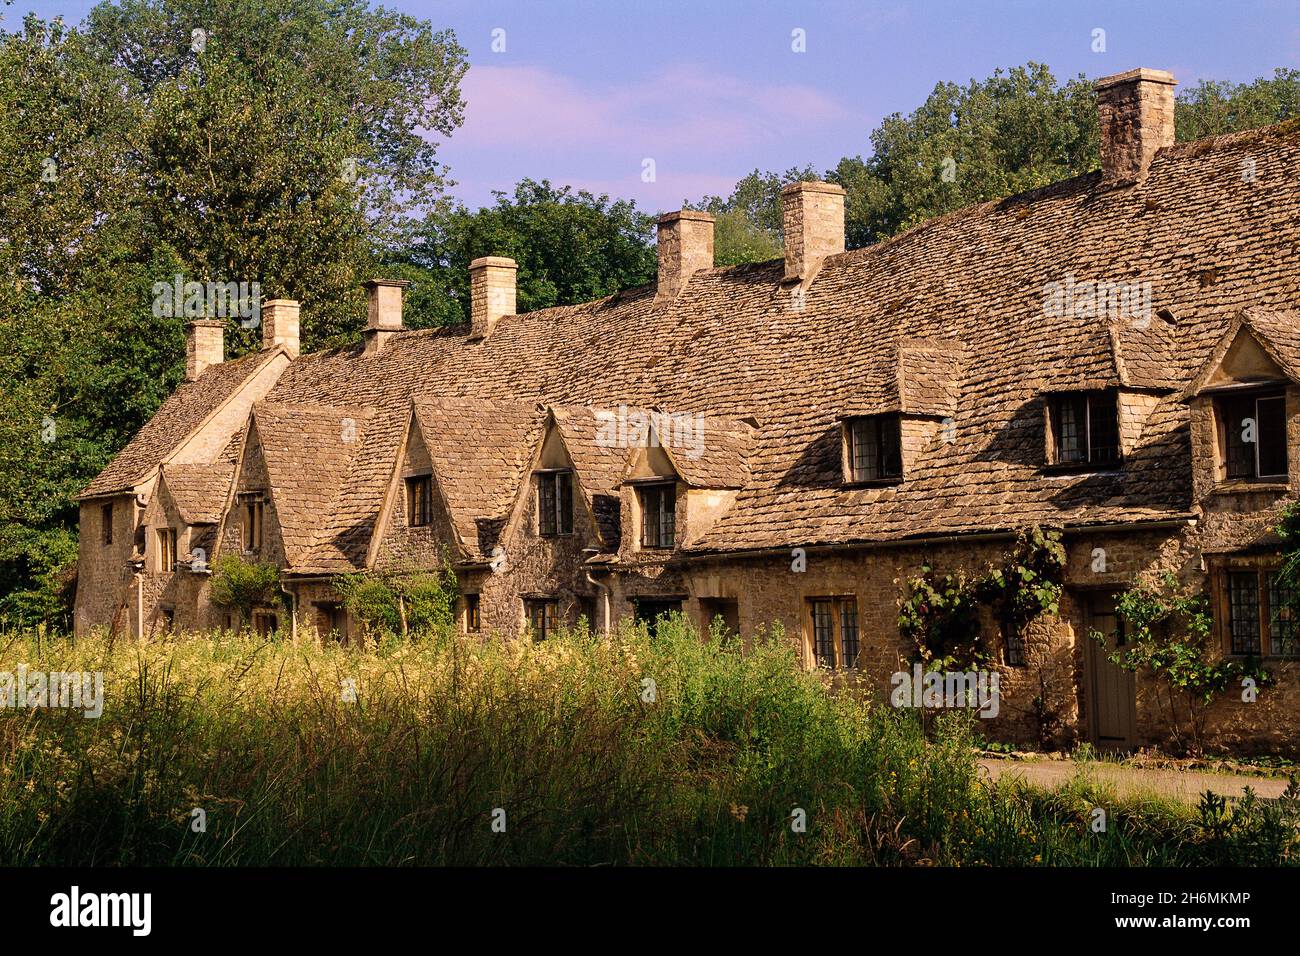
column 241, row 585
column 400, row 602
column 581, row 751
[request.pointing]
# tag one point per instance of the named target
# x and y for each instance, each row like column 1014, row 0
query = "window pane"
column 1103, row 429
column 546, row 504
column 564, row 506
column 891, row 450
column 1068, row 426
column 1238, row 414
column 823, row 619
column 849, row 632
column 1243, row 612
column 1270, row 430
column 1282, row 637
column 667, row 516
column 649, row 518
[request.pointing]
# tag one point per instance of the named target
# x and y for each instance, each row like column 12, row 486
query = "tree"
column 1213, row 107
column 570, row 247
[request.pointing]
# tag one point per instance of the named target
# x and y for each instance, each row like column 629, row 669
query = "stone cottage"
column 1114, row 356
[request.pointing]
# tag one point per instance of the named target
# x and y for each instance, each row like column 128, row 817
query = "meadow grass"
column 634, row 749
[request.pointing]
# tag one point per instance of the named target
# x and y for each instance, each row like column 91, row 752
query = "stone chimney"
column 491, row 293
column 384, row 315
column 280, row 325
column 812, row 218
column 1136, row 112
column 205, row 344
column 685, row 247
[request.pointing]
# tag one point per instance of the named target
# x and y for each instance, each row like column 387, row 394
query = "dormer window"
column 1083, row 429
column 166, row 550
column 1252, row 434
column 873, row 449
column 658, row 515
column 419, row 501
column 554, row 503
column 253, row 505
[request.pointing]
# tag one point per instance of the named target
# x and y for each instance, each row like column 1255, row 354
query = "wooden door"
column 1112, row 690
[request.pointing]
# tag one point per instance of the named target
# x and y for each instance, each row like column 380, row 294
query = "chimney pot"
column 812, row 219
column 205, row 345
column 491, row 293
column 1136, row 113
column 280, row 325
column 685, row 244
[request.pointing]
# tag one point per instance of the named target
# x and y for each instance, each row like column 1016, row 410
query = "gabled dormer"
column 684, row 473
column 903, row 414
column 1244, row 406
column 181, row 519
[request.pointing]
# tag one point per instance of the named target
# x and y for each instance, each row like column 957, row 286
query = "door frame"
column 1092, row 660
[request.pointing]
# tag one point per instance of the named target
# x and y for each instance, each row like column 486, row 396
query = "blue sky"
column 586, row 91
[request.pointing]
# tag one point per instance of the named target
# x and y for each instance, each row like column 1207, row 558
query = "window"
column 1261, row 617
column 253, row 504
column 554, row 503
column 168, row 618
column 650, row 611
column 166, row 550
column 471, row 614
column 106, row 521
column 658, row 516
column 1254, row 436
column 834, row 632
column 1014, row 644
column 541, row 617
column 1084, row 429
column 265, row 623
column 419, row 501
column 873, row 448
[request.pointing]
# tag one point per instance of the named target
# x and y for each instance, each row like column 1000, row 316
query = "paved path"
column 1185, row 785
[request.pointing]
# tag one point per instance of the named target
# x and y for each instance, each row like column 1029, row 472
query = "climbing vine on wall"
column 940, row 613
column 1168, row 633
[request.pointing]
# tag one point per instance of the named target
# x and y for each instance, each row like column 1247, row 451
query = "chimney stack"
column 205, row 344
column 1136, row 113
column 685, row 244
column 812, row 218
column 384, row 315
column 280, row 325
column 491, row 293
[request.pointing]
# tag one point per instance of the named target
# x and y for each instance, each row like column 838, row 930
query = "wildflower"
column 739, row 811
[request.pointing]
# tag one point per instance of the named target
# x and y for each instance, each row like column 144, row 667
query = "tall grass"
column 627, row 750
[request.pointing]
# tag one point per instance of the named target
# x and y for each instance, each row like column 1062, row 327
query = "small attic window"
column 419, row 501
column 873, row 449
column 1252, row 430
column 554, row 503
column 1083, row 429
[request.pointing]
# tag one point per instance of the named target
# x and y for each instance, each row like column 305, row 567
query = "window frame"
column 253, row 504
column 473, row 619
column 106, row 513
column 1224, row 429
column 165, row 539
column 841, row 609
column 1265, row 620
column 549, row 608
column 887, row 428
column 665, row 492
column 419, row 501
column 1087, row 400
column 555, row 503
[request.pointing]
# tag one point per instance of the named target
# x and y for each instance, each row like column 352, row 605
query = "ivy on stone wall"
column 1168, row 633
column 241, row 585
column 940, row 613
column 401, row 601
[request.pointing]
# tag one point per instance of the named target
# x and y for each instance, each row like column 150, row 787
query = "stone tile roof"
column 708, row 451
column 309, row 452
column 183, row 411
column 199, row 491
column 600, row 459
column 731, row 345
column 480, row 449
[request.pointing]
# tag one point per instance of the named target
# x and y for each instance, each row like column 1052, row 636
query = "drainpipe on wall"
column 605, row 602
column 139, row 606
